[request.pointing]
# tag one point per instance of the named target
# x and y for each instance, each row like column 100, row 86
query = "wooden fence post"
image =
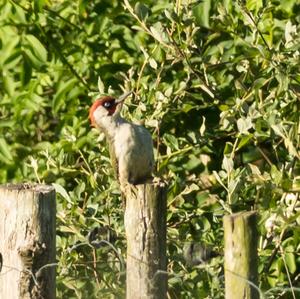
column 240, row 253
column 27, row 241
column 145, row 225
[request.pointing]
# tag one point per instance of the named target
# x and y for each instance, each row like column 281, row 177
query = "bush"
column 218, row 85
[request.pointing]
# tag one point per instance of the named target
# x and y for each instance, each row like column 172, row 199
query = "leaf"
column 153, row 63
column 219, row 179
column 244, row 125
column 172, row 16
column 171, row 141
column 141, row 10
column 189, row 189
column 187, row 107
column 8, row 49
column 259, row 83
column 19, row 15
column 26, row 71
column 207, row 90
column 5, row 151
column 296, row 184
column 192, row 163
column 283, row 81
column 202, row 127
column 37, row 47
column 244, row 141
column 7, row 123
column 202, row 13
column 278, row 130
column 8, row 82
column 276, row 175
column 101, row 86
column 156, row 34
column 62, row 191
column 169, row 91
column 289, row 33
column 228, row 148
column 254, row 169
column 254, row 5
column 35, row 62
column 38, row 5
column 60, row 95
column 227, row 164
column 138, row 28
column 290, row 259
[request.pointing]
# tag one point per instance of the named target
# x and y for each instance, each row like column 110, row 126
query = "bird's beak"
column 123, row 97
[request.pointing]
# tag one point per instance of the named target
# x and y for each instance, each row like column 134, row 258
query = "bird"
column 130, row 145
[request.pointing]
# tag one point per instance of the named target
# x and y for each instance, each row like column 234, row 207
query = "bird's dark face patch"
column 110, row 105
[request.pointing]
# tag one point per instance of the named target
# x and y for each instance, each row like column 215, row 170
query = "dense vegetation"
column 218, row 85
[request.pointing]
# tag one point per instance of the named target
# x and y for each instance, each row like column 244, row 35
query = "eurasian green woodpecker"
column 130, row 145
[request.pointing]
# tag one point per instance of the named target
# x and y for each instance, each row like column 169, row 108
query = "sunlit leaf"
column 62, row 191
column 227, row 164
column 290, row 259
column 244, row 125
column 153, row 63
column 202, row 13
column 5, row 151
column 37, row 47
column 156, row 34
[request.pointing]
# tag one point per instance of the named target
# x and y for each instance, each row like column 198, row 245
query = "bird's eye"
column 107, row 105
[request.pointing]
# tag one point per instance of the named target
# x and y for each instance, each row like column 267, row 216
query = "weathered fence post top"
column 145, row 226
column 240, row 253
column 27, row 243
column 41, row 188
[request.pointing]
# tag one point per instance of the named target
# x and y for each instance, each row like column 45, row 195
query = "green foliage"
column 218, row 85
